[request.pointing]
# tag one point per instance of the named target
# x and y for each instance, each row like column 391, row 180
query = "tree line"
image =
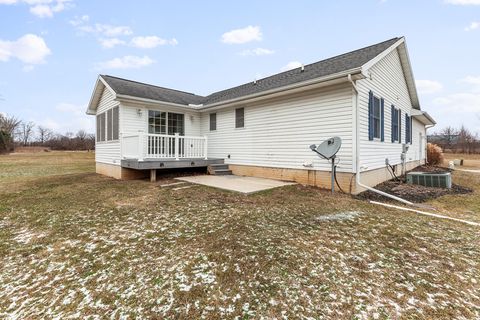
column 456, row 140
column 15, row 132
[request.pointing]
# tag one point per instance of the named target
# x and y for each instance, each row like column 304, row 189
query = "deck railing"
column 143, row 146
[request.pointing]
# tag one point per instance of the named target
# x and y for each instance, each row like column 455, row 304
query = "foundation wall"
column 319, row 178
column 118, row 172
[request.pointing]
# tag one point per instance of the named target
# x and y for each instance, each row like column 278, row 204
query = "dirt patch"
column 414, row 193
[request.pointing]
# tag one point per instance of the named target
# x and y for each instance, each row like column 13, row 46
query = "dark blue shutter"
column 382, row 115
column 399, row 121
column 407, row 129
column 370, row 116
column 411, row 128
column 393, row 123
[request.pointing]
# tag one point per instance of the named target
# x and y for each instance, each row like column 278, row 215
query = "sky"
column 51, row 51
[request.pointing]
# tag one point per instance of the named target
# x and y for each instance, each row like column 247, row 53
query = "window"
column 101, row 127
column 157, row 122
column 115, row 126
column 213, row 121
column 239, row 118
column 375, row 117
column 176, row 123
column 109, row 124
column 396, row 124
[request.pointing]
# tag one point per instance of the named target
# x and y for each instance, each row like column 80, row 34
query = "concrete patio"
column 246, row 185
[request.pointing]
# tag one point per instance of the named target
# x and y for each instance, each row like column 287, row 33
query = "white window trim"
column 379, row 138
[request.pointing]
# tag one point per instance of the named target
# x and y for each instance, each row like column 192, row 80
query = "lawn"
column 78, row 245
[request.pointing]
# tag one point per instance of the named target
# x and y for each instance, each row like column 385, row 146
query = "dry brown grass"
column 470, row 160
column 75, row 243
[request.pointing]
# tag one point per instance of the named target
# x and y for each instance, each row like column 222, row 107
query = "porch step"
column 223, row 172
column 219, row 166
column 219, row 169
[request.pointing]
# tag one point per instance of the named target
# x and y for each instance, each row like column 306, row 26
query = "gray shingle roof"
column 337, row 64
column 148, row 91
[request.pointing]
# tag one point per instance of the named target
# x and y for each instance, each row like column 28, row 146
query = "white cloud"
column 291, row 65
column 30, row 49
column 107, row 30
column 473, row 26
column 463, row 2
column 68, row 118
column 239, row 36
column 473, row 81
column 81, row 24
column 464, row 102
column 126, row 62
column 42, row 8
column 149, row 42
column 111, row 42
column 256, row 52
column 77, row 21
column 428, row 86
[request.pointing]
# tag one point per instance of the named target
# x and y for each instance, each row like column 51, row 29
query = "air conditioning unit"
column 428, row 179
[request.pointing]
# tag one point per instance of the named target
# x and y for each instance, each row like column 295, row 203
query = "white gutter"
column 151, row 101
column 358, row 168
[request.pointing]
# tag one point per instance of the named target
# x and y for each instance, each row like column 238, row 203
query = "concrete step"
column 219, row 166
column 222, row 172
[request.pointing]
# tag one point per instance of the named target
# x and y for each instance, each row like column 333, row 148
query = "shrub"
column 434, row 154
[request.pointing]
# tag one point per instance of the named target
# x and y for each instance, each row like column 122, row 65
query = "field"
column 470, row 160
column 74, row 244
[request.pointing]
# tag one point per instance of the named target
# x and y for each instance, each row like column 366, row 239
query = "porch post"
column 141, row 139
column 153, row 175
column 177, row 144
column 205, row 147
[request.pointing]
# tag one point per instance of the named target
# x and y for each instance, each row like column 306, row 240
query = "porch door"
column 176, row 124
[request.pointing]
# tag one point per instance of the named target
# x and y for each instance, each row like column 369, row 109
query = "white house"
column 264, row 128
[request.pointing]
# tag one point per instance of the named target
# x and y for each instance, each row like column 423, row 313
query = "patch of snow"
column 341, row 216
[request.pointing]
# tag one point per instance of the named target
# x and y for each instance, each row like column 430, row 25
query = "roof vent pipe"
column 303, row 68
column 255, row 81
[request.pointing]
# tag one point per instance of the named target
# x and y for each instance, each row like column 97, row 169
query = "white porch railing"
column 163, row 146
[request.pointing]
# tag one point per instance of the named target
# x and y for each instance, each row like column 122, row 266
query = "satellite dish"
column 328, row 148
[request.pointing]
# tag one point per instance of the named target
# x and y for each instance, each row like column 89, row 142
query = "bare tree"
column 26, row 132
column 449, row 136
column 466, row 140
column 81, row 134
column 8, row 127
column 44, row 134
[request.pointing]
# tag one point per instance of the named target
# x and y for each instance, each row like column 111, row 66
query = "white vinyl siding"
column 107, row 151
column 278, row 132
column 387, row 80
column 134, row 122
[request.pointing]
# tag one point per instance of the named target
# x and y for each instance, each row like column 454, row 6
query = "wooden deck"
column 147, row 164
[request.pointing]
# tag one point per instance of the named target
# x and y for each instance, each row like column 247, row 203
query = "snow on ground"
column 209, row 254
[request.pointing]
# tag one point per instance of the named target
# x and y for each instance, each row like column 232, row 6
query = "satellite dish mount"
column 328, row 150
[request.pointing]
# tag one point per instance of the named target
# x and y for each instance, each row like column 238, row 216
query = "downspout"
column 357, row 151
